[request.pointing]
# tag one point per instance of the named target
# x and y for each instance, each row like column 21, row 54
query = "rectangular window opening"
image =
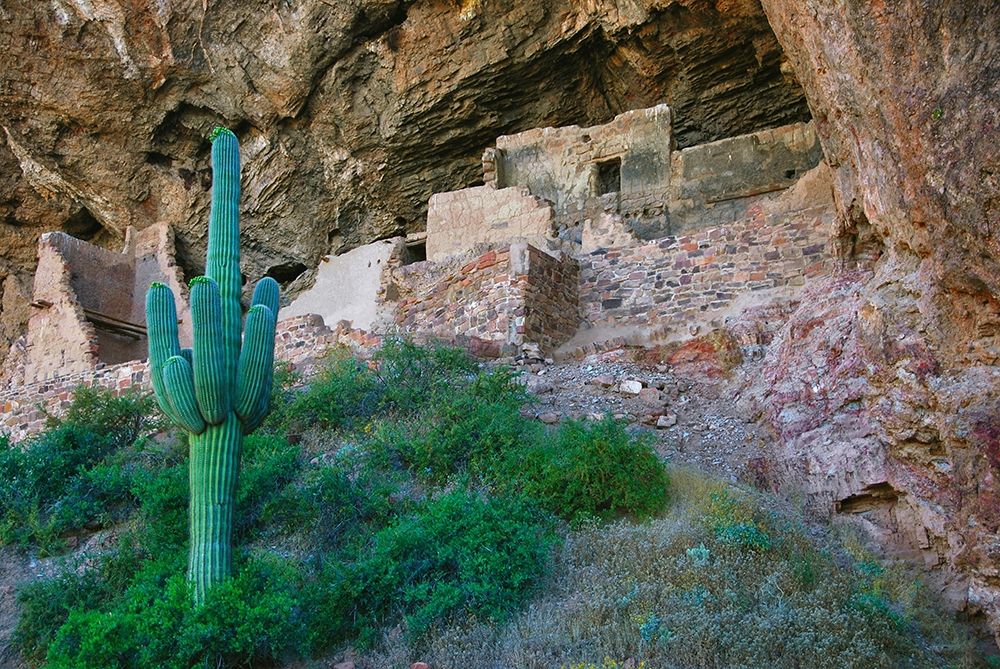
column 609, row 177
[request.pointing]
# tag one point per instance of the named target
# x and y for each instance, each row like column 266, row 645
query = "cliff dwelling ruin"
column 578, row 236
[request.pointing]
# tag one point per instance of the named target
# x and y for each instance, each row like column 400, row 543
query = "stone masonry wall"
column 88, row 304
column 552, row 300
column 492, row 303
column 462, row 220
column 301, row 341
column 562, row 165
column 624, row 173
column 684, row 279
column 717, row 183
column 472, row 297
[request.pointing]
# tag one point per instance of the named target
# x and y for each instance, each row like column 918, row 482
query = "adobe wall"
column 88, row 304
column 347, row 286
column 464, row 220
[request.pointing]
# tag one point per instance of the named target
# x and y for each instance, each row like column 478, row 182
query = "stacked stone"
column 680, row 279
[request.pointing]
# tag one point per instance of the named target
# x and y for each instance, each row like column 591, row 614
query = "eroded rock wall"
column 884, row 387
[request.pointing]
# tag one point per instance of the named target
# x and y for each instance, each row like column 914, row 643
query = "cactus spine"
column 218, row 390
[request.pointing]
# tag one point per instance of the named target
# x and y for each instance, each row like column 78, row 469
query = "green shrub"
column 269, row 463
column 672, row 592
column 120, row 419
column 331, row 506
column 250, row 619
column 163, row 509
column 76, row 473
column 344, row 391
column 413, row 377
column 469, row 428
column 589, row 470
column 457, row 553
column 46, row 604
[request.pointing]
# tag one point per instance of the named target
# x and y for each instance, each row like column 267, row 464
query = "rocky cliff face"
column 884, row 387
column 883, row 390
column 350, row 113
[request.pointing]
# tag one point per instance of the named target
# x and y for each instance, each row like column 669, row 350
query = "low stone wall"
column 551, row 298
column 462, row 220
column 717, row 183
column 301, row 341
column 492, row 303
column 685, row 279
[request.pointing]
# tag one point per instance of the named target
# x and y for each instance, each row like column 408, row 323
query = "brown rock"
column 665, row 421
column 603, row 381
column 420, row 665
column 549, row 418
column 651, row 396
column 884, row 359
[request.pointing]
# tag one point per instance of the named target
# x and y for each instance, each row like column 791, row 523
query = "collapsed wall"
column 88, row 304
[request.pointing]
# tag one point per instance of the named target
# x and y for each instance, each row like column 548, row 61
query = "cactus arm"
column 266, row 293
column 188, row 355
column 161, row 325
column 210, row 382
column 256, row 359
column 224, row 243
column 178, row 384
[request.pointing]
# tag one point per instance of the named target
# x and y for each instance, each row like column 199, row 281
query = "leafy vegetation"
column 412, row 494
column 76, row 473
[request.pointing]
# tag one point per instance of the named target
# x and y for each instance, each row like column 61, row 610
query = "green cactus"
column 218, row 390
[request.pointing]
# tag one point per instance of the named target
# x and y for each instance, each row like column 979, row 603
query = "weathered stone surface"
column 884, row 388
column 630, row 387
column 350, row 114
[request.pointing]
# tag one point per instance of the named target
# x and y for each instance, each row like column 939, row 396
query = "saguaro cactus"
column 218, row 390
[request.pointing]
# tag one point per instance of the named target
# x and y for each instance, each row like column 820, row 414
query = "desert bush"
column 469, row 429
column 458, row 552
column 344, row 391
column 596, row 470
column 119, row 419
column 78, row 472
column 154, row 624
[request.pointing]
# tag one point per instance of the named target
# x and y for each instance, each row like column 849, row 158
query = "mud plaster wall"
column 346, row 286
column 561, row 165
column 462, row 220
column 717, row 183
column 88, row 304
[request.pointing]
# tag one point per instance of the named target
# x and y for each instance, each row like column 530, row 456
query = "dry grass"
column 719, row 580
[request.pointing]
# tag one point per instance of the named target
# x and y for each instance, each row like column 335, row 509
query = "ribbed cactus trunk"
column 213, row 469
column 219, row 389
